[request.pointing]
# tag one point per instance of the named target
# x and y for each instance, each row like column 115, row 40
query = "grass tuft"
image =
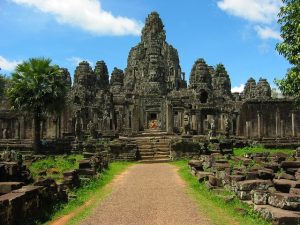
column 55, row 166
column 260, row 149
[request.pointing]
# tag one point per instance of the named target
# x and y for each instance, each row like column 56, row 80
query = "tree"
column 2, row 85
column 289, row 19
column 37, row 87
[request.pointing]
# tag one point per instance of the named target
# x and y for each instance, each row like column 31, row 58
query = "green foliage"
column 290, row 85
column 259, row 149
column 37, row 85
column 55, row 166
column 4, row 81
column 219, row 208
column 289, row 19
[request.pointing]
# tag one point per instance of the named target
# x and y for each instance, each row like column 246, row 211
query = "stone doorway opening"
column 153, row 122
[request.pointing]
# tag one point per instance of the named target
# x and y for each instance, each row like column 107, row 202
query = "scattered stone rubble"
column 21, row 198
column 270, row 183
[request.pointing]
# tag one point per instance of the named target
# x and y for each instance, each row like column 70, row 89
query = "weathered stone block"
column 295, row 191
column 259, row 197
column 290, row 164
column 284, row 185
column 249, row 185
column 243, row 195
column 278, row 216
column 85, row 164
column 202, row 176
column 197, row 164
column 284, row 201
column 266, row 174
column 6, row 187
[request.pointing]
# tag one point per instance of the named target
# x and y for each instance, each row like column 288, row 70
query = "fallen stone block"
column 202, row 176
column 290, row 164
column 85, row 164
column 251, row 175
column 266, row 174
column 249, row 185
column 295, row 191
column 285, row 176
column 284, row 185
column 278, row 216
column 6, row 187
column 284, row 201
column 243, row 195
column 197, row 164
column 259, row 197
column 214, row 181
column 86, row 172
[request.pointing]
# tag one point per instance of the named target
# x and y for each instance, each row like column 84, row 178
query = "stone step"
column 161, row 157
column 146, row 154
column 155, row 160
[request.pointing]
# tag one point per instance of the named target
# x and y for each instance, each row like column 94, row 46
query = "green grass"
column 93, row 190
column 55, row 166
column 260, row 149
column 220, row 211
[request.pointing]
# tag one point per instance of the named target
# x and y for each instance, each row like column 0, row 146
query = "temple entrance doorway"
column 153, row 122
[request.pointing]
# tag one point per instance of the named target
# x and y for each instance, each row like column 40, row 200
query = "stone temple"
column 151, row 94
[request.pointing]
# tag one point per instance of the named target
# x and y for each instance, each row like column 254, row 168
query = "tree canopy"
column 36, row 87
column 289, row 19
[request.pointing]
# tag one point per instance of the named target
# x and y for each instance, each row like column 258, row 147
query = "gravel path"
column 147, row 194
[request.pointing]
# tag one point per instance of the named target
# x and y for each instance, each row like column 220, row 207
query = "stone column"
column 170, row 119
column 259, row 124
column 281, row 128
column 247, row 129
column 293, row 123
column 135, row 119
column 22, row 127
column 276, row 124
column 237, row 125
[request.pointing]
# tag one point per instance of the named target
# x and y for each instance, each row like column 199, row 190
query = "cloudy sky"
column 241, row 34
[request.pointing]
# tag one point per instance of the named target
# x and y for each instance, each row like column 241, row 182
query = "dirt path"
column 147, row 194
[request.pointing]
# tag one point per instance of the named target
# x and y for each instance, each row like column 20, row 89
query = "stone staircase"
column 153, row 149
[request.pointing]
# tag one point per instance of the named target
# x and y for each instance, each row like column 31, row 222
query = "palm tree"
column 37, row 87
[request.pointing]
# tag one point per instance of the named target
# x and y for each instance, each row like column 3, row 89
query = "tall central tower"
column 153, row 65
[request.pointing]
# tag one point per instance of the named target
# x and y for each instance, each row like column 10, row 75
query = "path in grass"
column 148, row 194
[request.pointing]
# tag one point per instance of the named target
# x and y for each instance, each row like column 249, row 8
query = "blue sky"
column 241, row 34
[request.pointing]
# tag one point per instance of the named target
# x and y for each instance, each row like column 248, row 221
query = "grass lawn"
column 55, row 166
column 216, row 207
column 260, row 149
column 93, row 192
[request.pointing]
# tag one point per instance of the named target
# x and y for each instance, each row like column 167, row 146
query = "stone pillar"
column 237, row 130
column 22, row 127
column 199, row 118
column 135, row 119
column 281, row 128
column 293, row 124
column 222, row 122
column 259, row 124
column 247, row 129
column 277, row 124
column 170, row 119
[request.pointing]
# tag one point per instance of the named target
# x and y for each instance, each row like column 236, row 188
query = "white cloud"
column 8, row 65
column 267, row 33
column 76, row 60
column 87, row 15
column 238, row 89
column 262, row 11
